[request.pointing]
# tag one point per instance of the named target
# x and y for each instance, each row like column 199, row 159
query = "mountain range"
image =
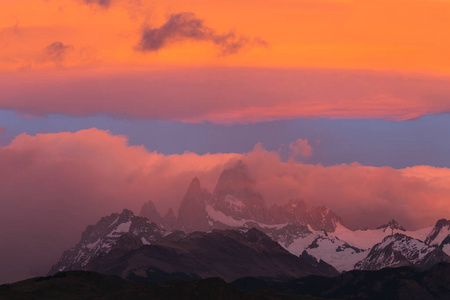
column 231, row 233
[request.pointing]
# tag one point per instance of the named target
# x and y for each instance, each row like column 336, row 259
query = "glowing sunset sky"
column 105, row 104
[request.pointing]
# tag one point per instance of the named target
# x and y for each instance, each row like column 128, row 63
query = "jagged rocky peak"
column 234, row 180
column 400, row 250
column 442, row 223
column 294, row 211
column 194, row 187
column 393, row 226
column 150, row 212
column 192, row 215
column 440, row 231
column 170, row 220
column 234, row 195
column 195, row 193
column 323, row 218
column 107, row 234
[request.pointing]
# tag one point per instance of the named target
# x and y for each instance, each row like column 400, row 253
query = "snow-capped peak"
column 391, row 226
column 398, row 250
column 440, row 231
column 107, row 234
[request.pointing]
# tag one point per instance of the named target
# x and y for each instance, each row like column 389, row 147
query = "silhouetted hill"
column 403, row 283
column 89, row 285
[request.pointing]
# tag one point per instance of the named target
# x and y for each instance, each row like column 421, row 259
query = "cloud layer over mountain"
column 59, row 183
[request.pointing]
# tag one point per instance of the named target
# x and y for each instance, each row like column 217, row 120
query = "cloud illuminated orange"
column 404, row 35
column 102, row 69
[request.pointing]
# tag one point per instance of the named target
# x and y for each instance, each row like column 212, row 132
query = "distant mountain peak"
column 235, row 196
column 127, row 213
column 440, row 231
column 393, row 225
column 234, row 180
column 150, row 212
column 442, row 223
column 401, row 250
column 124, row 230
column 195, row 185
column 192, row 214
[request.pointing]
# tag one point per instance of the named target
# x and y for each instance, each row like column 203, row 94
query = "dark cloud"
column 102, row 3
column 186, row 26
column 55, row 52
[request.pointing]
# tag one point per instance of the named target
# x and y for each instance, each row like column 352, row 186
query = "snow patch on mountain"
column 218, row 216
column 101, row 238
column 443, row 233
column 446, row 249
column 394, row 251
column 366, row 239
column 335, row 252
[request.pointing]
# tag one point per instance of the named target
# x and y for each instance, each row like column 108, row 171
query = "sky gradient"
column 105, row 104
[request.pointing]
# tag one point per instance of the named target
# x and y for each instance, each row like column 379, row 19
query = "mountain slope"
column 124, row 230
column 228, row 254
column 335, row 252
column 440, row 231
column 401, row 250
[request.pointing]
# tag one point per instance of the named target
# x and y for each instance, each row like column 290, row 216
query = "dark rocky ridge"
column 392, row 284
column 227, row 254
column 403, row 283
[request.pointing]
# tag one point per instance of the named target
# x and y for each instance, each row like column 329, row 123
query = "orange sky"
column 391, row 35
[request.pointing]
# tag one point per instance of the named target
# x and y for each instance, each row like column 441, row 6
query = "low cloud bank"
column 53, row 185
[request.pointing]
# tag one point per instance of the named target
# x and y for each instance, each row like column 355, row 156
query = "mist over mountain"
column 216, row 234
column 234, row 202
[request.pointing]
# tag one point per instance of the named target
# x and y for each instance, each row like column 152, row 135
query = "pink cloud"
column 226, row 95
column 2, row 129
column 53, row 185
column 300, row 148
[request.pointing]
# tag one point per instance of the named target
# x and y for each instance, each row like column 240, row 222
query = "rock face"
column 192, row 214
column 229, row 254
column 295, row 211
column 439, row 233
column 168, row 222
column 150, row 212
column 124, row 231
column 400, row 250
column 445, row 245
column 235, row 196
